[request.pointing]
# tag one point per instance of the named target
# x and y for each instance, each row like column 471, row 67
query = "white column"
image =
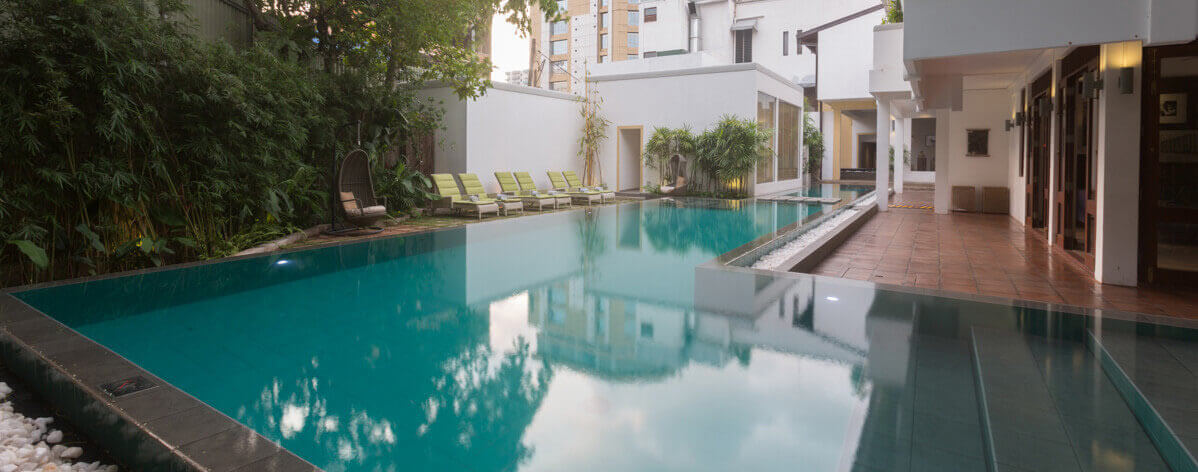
column 943, row 189
column 900, row 147
column 882, row 183
column 1117, row 144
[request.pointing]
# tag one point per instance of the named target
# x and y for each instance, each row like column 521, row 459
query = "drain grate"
column 126, row 386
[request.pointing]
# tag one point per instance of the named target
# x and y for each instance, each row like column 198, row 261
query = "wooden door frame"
column 1035, row 121
column 640, row 173
column 1081, row 61
column 1150, row 168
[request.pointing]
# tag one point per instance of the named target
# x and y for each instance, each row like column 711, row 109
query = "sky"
column 509, row 51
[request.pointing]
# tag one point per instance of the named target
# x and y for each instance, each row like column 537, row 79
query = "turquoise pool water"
column 846, row 192
column 605, row 340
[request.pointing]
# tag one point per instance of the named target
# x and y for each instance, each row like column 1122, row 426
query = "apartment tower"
column 595, row 31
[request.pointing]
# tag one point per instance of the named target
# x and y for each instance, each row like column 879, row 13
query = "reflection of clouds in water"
column 745, row 419
column 290, row 410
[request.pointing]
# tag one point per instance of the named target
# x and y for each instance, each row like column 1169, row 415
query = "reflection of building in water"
column 733, row 313
column 608, row 336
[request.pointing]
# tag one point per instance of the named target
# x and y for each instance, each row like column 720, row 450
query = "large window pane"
column 560, row 27
column 559, row 47
column 766, row 106
column 604, row 41
column 634, row 40
column 634, row 18
column 788, row 141
column 605, row 20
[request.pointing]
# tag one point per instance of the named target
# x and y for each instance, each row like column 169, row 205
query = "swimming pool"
column 846, row 192
column 608, row 339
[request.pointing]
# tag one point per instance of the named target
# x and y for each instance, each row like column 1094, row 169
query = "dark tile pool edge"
column 1109, row 313
column 158, row 428
column 1172, row 449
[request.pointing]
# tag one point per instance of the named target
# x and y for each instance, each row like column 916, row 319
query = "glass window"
column 634, row 40
column 560, row 27
column 559, row 47
column 788, row 141
column 634, row 2
column 766, row 106
column 601, row 58
column 604, row 20
column 561, row 6
column 633, row 56
column 559, row 86
column 786, row 43
column 604, row 41
column 603, row 3
column 559, row 67
column 634, row 17
column 649, row 54
column 650, row 14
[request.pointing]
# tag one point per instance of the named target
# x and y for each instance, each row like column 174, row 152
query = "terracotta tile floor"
column 982, row 254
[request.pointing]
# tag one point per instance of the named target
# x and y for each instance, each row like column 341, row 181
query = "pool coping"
column 160, row 427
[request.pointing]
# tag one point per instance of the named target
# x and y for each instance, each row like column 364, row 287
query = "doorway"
column 1076, row 186
column 628, row 158
column 1039, row 125
column 1076, row 199
column 867, row 151
column 1169, row 166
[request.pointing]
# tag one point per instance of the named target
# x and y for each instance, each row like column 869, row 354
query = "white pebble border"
column 777, row 257
column 30, row 445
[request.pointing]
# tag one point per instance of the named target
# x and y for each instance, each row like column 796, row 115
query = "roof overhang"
column 745, row 24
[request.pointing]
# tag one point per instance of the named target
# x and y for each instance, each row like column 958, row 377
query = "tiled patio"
column 982, row 254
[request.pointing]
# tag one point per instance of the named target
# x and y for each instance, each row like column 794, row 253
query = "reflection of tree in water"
column 591, row 239
column 483, row 403
column 674, row 227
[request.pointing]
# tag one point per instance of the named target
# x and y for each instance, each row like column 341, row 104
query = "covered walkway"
column 982, row 254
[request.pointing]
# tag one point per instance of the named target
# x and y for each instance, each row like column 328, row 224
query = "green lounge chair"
column 474, row 187
column 447, row 187
column 559, row 183
column 528, row 186
column 574, row 182
column 531, row 198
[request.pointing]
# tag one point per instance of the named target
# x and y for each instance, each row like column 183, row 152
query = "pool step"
column 1047, row 405
column 1022, row 426
column 1157, row 378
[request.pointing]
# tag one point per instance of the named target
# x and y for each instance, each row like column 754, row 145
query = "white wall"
column 670, row 30
column 982, row 109
column 510, row 128
column 940, row 28
column 846, row 56
column 669, row 100
column 451, row 137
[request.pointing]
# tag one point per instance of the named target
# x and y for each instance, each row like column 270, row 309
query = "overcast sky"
column 509, row 51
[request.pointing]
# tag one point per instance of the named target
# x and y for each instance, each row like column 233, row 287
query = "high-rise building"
column 595, row 31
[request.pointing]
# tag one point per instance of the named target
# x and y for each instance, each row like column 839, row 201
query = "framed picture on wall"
column 977, row 142
column 1173, row 108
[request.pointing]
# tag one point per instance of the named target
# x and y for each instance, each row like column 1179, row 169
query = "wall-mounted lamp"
column 1126, row 80
column 1091, row 84
column 1010, row 124
column 1018, row 118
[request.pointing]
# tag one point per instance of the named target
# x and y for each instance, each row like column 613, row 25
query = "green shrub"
column 731, row 150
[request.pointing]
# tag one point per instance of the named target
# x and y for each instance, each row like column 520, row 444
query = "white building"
column 1077, row 116
column 517, row 77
